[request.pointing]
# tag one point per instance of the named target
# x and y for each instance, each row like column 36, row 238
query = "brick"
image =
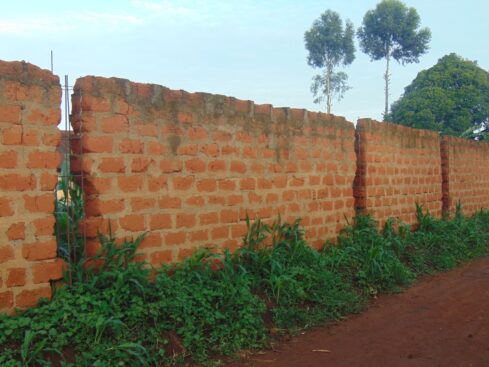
column 46, row 160
column 40, row 250
column 243, row 137
column 190, row 150
column 16, row 231
column 30, row 137
column 220, row 232
column 239, row 230
column 155, row 148
column 44, row 272
column 40, row 203
column 249, row 152
column 182, row 183
column 12, row 136
column 207, row 185
column 16, row 277
column 247, row 184
column 221, row 136
column 6, row 300
column 142, row 204
column 185, row 252
column 5, row 207
column 184, row 117
column 198, row 201
column 175, row 238
column 195, row 165
column 161, row 257
column 115, row 124
column 44, row 226
column 229, row 216
column 217, row 166
column 131, row 146
column 229, row 150
column 234, row 200
column 94, row 104
column 210, row 150
column 185, row 220
column 141, row 164
column 169, row 202
column 152, row 239
column 6, row 253
column 157, row 183
column 160, row 221
column 227, row 185
column 97, row 144
column 133, row 223
column 231, row 245
column 112, row 165
column 130, row 183
column 237, row 167
column 197, row 133
column 49, row 117
column 48, row 181
column 10, row 113
column 51, row 139
column 208, row 218
column 30, row 297
column 8, row 159
column 199, row 236
column 169, row 166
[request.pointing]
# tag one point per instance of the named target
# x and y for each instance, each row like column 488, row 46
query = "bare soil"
column 443, row 320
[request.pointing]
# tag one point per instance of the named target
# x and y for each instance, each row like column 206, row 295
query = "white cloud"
column 89, row 21
column 162, row 7
column 112, row 20
column 30, row 25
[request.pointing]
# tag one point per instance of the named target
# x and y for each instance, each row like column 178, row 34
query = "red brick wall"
column 465, row 174
column 397, row 167
column 29, row 112
column 188, row 168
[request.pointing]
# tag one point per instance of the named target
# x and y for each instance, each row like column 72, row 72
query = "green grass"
column 212, row 305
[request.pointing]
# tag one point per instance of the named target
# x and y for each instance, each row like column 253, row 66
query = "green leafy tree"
column 329, row 44
column 451, row 97
column 391, row 31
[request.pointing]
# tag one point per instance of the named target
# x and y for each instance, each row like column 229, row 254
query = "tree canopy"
column 391, row 30
column 329, row 45
column 451, row 97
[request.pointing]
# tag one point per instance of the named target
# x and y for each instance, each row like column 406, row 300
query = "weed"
column 216, row 304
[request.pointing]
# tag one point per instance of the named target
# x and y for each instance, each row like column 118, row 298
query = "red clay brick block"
column 39, row 250
column 30, row 297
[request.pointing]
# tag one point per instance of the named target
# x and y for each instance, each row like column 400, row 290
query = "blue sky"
column 246, row 49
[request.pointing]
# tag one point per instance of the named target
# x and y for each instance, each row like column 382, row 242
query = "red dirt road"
column 443, row 321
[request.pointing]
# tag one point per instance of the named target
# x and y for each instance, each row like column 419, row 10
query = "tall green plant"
column 69, row 213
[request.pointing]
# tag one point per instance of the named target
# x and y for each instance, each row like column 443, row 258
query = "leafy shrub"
column 215, row 304
column 294, row 278
column 369, row 258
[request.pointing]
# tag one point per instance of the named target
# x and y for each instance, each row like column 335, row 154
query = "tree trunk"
column 387, row 80
column 329, row 72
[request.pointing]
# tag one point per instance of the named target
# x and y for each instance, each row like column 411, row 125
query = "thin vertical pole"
column 52, row 61
column 69, row 229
